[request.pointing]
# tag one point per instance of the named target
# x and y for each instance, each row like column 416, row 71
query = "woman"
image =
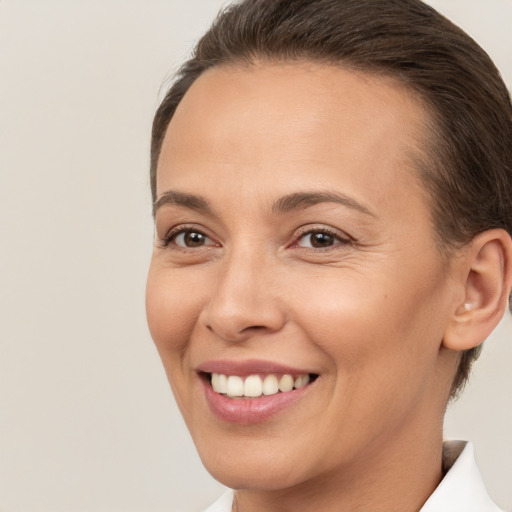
column 333, row 206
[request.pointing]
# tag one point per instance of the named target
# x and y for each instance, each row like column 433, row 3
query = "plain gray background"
column 87, row 422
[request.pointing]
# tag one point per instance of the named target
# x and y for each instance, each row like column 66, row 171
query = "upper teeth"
column 254, row 386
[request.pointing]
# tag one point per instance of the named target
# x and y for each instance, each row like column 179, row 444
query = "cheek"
column 172, row 310
column 367, row 323
column 383, row 350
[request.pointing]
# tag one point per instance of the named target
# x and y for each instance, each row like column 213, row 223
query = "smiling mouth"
column 255, row 386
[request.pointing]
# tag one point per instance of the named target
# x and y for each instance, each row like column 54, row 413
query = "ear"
column 487, row 279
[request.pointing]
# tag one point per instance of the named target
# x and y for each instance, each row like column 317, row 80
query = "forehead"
column 265, row 123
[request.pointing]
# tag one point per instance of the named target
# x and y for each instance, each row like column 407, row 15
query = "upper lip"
column 248, row 367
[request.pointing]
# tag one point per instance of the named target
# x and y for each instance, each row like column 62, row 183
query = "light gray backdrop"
column 87, row 422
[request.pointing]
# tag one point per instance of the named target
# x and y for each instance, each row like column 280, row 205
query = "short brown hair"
column 469, row 173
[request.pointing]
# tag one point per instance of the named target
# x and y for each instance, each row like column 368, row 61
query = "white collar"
column 223, row 504
column 461, row 490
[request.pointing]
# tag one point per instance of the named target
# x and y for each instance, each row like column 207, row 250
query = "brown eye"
column 191, row 239
column 319, row 239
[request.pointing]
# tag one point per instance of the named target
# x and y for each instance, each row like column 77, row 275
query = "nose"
column 244, row 301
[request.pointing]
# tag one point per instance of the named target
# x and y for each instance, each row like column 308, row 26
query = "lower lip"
column 246, row 411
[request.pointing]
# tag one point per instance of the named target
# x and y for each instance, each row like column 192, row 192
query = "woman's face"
column 293, row 238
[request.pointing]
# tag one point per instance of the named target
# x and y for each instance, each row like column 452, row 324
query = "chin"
column 268, row 464
column 253, row 475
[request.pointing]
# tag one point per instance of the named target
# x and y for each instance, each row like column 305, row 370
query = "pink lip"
column 253, row 410
column 248, row 367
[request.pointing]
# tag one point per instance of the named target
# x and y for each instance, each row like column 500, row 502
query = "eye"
column 188, row 238
column 320, row 239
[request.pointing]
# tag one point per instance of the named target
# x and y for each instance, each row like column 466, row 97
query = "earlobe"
column 487, row 275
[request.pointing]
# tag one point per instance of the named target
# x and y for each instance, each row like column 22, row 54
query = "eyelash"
column 343, row 240
column 171, row 236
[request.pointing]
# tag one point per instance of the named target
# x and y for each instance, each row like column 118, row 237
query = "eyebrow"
column 303, row 200
column 171, row 197
column 291, row 202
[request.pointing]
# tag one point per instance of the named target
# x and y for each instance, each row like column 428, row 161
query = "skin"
column 367, row 312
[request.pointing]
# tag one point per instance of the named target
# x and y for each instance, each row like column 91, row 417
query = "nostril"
column 232, row 332
column 254, row 327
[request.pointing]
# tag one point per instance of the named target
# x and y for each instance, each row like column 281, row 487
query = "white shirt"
column 461, row 490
